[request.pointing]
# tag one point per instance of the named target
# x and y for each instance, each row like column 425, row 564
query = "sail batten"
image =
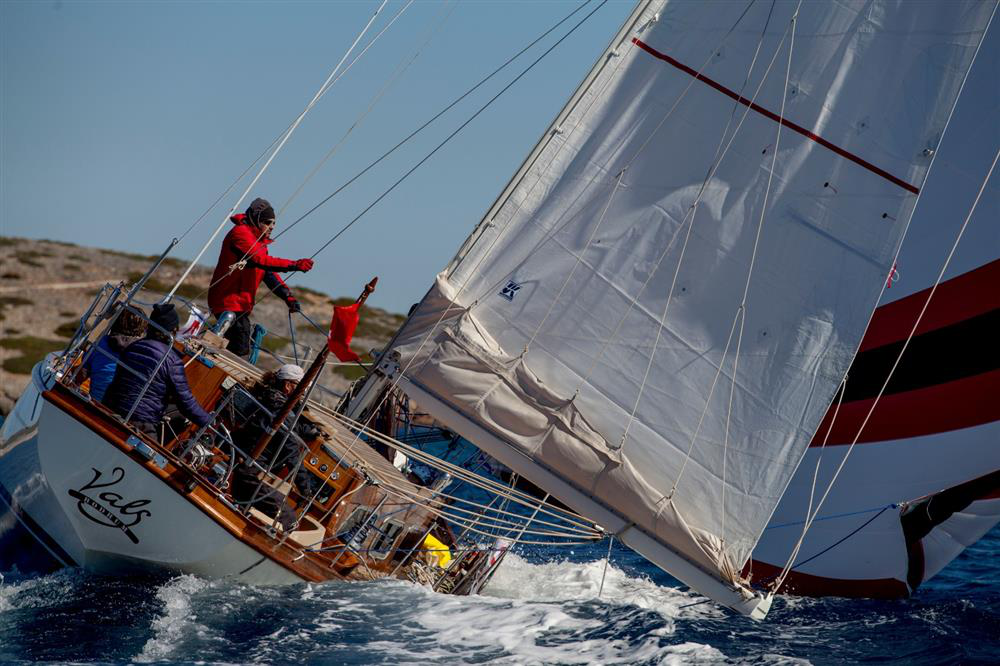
column 608, row 291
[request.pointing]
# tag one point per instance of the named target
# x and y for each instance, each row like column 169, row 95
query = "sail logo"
column 510, row 290
column 109, row 508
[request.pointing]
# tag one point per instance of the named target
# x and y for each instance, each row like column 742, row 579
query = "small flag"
column 345, row 320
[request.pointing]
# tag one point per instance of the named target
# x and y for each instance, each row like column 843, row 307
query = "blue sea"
column 539, row 609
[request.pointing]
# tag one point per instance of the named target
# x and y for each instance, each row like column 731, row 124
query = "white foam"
column 560, row 581
column 37, row 592
column 177, row 618
column 544, row 614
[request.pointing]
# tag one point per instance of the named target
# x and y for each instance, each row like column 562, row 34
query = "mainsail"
column 653, row 317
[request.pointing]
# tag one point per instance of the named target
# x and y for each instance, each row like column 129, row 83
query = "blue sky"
column 123, row 121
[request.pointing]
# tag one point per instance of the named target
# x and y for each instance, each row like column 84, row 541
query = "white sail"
column 654, row 316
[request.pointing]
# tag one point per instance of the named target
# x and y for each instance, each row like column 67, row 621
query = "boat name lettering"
column 111, row 510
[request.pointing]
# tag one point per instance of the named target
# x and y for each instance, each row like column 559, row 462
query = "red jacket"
column 235, row 288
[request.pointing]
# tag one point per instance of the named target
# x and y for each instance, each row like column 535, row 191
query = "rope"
column 835, row 516
column 865, row 524
column 607, row 560
column 460, row 473
column 899, row 356
column 741, row 310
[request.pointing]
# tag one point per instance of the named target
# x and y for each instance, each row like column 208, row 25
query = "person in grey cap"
column 282, row 452
column 166, row 381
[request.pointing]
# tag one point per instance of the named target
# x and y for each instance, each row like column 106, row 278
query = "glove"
column 293, row 305
column 304, row 265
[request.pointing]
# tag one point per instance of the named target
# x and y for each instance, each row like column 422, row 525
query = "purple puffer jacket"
column 169, row 384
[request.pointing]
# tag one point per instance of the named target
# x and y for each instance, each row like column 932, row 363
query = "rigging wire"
column 741, row 312
column 394, row 148
column 453, row 134
column 753, row 257
column 552, row 234
column 892, row 370
column 961, row 231
column 431, row 120
column 323, row 89
column 400, row 70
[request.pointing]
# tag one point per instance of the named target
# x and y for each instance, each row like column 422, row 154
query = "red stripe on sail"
column 964, row 296
column 963, row 403
column 776, row 118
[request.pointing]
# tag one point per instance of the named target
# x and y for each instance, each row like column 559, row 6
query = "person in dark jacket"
column 154, row 357
column 243, row 264
column 103, row 360
column 282, row 452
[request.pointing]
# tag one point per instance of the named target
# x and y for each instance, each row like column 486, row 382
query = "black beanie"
column 260, row 211
column 165, row 316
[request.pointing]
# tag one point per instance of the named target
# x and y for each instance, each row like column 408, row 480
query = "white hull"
column 88, row 504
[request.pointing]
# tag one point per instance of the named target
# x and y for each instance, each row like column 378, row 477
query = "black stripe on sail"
column 966, row 348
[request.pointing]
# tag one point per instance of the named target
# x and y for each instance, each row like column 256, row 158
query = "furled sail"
column 652, row 319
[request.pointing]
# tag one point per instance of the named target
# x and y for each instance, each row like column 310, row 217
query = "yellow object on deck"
column 437, row 549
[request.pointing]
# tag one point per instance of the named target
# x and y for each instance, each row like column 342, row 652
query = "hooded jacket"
column 169, row 383
column 103, row 361
column 236, row 290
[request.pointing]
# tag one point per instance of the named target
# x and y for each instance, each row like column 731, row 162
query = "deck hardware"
column 147, row 452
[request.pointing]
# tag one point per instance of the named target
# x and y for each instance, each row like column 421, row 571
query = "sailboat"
column 930, row 442
column 649, row 324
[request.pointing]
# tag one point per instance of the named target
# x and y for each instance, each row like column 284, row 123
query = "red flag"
column 345, row 320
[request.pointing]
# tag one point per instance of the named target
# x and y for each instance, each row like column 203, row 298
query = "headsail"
column 653, row 318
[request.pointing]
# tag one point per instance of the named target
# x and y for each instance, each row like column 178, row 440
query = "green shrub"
column 148, row 258
column 14, row 300
column 273, row 343
column 7, row 241
column 32, row 351
column 350, row 372
column 67, row 328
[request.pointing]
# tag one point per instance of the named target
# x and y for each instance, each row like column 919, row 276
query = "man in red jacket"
column 243, row 263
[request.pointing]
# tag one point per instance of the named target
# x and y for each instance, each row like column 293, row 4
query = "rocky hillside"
column 45, row 286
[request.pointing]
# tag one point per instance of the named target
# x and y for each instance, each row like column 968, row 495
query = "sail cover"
column 662, row 303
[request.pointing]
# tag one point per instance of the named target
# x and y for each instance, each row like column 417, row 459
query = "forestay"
column 662, row 303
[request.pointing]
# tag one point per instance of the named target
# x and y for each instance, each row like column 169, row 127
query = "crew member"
column 100, row 366
column 156, row 377
column 243, row 263
column 281, row 452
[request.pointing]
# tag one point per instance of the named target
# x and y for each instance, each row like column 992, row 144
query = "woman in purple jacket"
column 154, row 357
